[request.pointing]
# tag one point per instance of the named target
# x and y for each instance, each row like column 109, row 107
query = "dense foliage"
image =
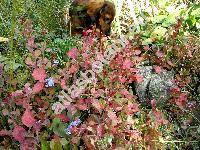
column 40, row 63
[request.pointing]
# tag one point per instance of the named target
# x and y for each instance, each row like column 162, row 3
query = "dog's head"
column 84, row 13
column 105, row 16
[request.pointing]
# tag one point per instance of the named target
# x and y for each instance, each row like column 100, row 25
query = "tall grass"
column 44, row 13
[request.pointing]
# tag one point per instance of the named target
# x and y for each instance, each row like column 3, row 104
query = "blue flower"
column 74, row 123
column 49, row 82
column 68, row 130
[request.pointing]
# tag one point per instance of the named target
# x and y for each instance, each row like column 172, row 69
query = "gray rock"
column 154, row 86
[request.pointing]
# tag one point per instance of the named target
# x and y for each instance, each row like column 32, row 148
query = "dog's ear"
column 94, row 6
column 103, row 8
column 105, row 17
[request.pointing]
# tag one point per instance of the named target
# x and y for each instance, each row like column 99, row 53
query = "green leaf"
column 158, row 32
column 109, row 139
column 2, row 58
column 106, row 81
column 198, row 130
column 55, row 145
column 147, row 41
column 2, row 39
column 198, row 25
column 55, row 122
column 196, row 12
column 45, row 145
column 64, row 142
column 58, row 127
column 11, row 65
column 58, row 41
column 158, row 19
column 118, row 95
column 169, row 21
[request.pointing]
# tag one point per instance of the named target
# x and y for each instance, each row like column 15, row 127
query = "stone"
column 155, row 85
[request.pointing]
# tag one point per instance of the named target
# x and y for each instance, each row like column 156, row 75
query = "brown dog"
column 85, row 13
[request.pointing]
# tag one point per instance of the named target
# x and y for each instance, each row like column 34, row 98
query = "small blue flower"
column 49, row 82
column 68, row 130
column 74, row 123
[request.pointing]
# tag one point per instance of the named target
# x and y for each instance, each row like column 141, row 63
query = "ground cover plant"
column 40, row 64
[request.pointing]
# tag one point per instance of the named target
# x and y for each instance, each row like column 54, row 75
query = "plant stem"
column 11, row 44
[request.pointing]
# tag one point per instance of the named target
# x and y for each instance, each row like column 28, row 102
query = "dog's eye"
column 107, row 20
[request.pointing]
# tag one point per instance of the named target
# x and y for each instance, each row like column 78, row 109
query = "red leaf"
column 62, row 117
column 137, row 52
column 153, row 105
column 28, row 118
column 81, row 106
column 38, row 87
column 39, row 74
column 135, row 134
column 63, row 84
column 28, row 61
column 17, row 93
column 137, row 78
column 122, row 79
column 159, row 54
column 158, row 114
column 41, row 103
column 124, row 92
column 37, row 125
column 19, row 133
column 170, row 63
column 31, row 44
column 159, row 118
column 117, row 107
column 96, row 104
column 132, row 108
column 5, row 133
column 157, row 69
column 127, row 64
column 137, row 59
column 27, row 88
column 5, row 112
column 100, row 130
column 112, row 115
column 73, row 53
column 181, row 101
column 73, row 69
column 28, row 144
column 86, row 64
column 72, row 109
column 190, row 53
column 22, row 102
column 146, row 47
column 99, row 56
column 96, row 93
column 175, row 90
